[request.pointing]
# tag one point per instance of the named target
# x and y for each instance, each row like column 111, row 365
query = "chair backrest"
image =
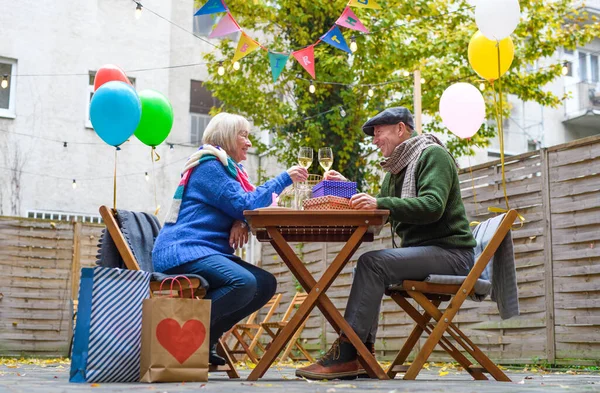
column 297, row 300
column 491, row 247
column 115, row 232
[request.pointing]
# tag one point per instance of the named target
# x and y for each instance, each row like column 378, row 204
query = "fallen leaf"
column 345, row 385
column 95, row 385
column 443, row 373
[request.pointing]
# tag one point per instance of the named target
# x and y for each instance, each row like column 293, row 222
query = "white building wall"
column 61, row 37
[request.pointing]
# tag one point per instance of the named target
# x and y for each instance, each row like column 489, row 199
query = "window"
column 8, row 71
column 594, row 67
column 64, row 216
column 532, row 145
column 90, row 94
column 201, row 101
column 569, row 51
column 583, row 68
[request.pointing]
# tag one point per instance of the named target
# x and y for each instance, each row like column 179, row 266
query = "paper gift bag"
column 175, row 340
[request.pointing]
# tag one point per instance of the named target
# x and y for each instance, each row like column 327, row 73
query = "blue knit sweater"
column 211, row 202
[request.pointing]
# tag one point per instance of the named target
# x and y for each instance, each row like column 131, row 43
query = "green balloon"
column 157, row 118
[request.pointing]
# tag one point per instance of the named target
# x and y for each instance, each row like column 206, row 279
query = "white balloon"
column 497, row 19
column 462, row 109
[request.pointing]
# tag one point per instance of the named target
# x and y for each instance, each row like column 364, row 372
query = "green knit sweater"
column 436, row 217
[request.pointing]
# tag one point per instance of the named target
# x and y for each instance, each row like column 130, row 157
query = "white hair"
column 223, row 130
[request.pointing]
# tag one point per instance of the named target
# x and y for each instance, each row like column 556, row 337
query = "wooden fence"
column 558, row 266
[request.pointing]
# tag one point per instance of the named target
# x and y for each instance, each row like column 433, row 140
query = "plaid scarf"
column 206, row 153
column 406, row 155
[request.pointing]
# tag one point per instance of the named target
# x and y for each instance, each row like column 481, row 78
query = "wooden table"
column 280, row 226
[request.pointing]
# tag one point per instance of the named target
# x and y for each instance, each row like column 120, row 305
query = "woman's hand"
column 298, row 173
column 363, row 202
column 238, row 236
column 334, row 175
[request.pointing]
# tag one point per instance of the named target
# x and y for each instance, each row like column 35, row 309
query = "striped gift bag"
column 106, row 345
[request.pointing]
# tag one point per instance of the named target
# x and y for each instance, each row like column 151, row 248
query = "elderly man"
column 422, row 193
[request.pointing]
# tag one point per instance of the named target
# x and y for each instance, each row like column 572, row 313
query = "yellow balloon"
column 483, row 56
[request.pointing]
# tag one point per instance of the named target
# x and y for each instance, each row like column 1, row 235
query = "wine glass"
column 326, row 158
column 305, row 156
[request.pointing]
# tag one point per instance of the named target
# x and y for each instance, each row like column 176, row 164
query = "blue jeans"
column 237, row 289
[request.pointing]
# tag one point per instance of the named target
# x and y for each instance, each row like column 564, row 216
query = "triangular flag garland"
column 212, row 7
column 349, row 20
column 364, row 4
column 306, row 58
column 335, row 38
column 226, row 25
column 246, row 45
column 277, row 61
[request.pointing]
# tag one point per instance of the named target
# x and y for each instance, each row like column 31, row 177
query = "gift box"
column 344, row 189
column 328, row 202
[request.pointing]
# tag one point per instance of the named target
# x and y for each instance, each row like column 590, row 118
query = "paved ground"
column 53, row 378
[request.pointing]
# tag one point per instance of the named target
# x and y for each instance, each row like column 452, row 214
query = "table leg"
column 317, row 297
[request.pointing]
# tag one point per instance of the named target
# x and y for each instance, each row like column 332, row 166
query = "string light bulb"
column 482, row 86
column 4, row 83
column 342, row 112
column 353, row 46
column 406, row 73
column 236, row 65
column 370, row 93
column 171, row 147
column 146, row 176
column 74, row 184
column 221, row 70
column 312, row 88
column 422, row 81
column 565, row 68
column 138, row 10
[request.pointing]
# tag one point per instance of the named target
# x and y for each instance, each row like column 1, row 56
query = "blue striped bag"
column 107, row 338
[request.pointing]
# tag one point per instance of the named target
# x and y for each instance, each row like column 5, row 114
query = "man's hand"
column 334, row 175
column 238, row 236
column 363, row 202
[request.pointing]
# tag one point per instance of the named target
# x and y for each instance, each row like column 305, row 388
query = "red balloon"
column 108, row 73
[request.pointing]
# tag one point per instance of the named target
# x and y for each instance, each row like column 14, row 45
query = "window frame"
column 10, row 112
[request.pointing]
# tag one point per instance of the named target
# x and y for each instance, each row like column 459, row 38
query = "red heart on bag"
column 181, row 342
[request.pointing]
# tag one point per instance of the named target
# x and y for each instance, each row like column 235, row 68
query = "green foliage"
column 431, row 35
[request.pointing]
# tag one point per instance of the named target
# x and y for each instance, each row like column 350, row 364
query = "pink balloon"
column 462, row 109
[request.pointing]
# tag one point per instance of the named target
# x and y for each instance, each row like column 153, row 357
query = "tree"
column 430, row 35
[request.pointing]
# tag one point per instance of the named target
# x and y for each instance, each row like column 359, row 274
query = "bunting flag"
column 306, row 58
column 277, row 61
column 335, row 38
column 246, row 45
column 349, row 20
column 212, row 7
column 364, row 4
column 227, row 25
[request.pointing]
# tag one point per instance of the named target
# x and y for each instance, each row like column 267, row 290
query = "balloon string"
column 154, row 181
column 471, row 172
column 154, row 153
column 500, row 126
column 115, row 181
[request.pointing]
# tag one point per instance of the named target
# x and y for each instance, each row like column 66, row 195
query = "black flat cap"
column 392, row 115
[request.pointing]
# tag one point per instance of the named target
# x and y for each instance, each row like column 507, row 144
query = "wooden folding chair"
column 108, row 215
column 429, row 296
column 251, row 331
column 273, row 329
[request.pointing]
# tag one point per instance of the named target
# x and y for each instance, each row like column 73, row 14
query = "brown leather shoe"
column 340, row 362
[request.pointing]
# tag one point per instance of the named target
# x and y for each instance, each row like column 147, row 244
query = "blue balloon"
column 115, row 112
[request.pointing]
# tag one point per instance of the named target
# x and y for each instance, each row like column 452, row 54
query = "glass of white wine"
column 305, row 156
column 326, row 158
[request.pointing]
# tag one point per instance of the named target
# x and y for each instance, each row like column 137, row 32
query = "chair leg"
column 414, row 336
column 466, row 343
column 223, row 351
column 245, row 347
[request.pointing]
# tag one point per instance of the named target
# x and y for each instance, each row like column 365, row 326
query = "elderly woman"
column 206, row 222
